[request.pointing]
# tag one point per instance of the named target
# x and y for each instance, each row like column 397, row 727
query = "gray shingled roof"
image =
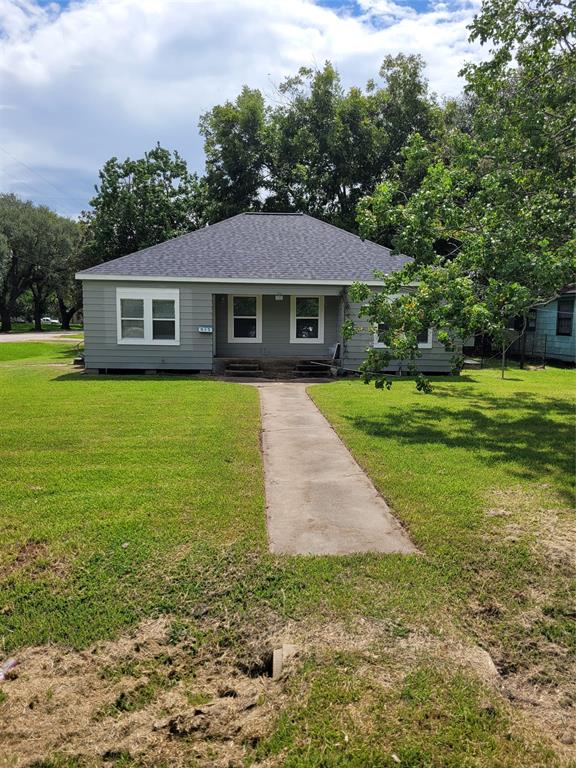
column 274, row 246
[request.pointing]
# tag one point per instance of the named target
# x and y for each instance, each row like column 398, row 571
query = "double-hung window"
column 423, row 337
column 245, row 319
column 148, row 316
column 307, row 319
column 564, row 316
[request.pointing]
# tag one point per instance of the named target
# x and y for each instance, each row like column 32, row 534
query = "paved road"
column 44, row 336
column 318, row 500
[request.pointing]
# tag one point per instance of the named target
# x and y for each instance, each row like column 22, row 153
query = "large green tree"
column 67, row 290
column 488, row 215
column 234, row 138
column 325, row 149
column 318, row 148
column 139, row 203
column 54, row 261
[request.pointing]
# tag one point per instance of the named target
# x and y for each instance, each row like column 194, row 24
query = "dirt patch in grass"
column 539, row 515
column 540, row 702
column 27, row 554
column 179, row 693
column 143, row 695
column 34, row 557
column 532, row 637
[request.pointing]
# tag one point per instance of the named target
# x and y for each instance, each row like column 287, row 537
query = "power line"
column 61, row 194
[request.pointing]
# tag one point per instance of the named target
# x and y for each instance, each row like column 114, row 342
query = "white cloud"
column 111, row 77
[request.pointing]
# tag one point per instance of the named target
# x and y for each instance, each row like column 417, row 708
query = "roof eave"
column 241, row 280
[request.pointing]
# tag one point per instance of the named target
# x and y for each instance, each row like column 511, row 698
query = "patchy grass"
column 482, row 474
column 433, row 717
column 128, row 498
column 443, row 462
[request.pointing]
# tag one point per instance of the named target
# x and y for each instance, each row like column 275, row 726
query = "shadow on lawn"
column 80, row 375
column 531, row 436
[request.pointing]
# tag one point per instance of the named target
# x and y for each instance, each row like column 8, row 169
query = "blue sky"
column 85, row 80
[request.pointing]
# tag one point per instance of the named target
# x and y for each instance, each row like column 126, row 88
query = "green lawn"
column 123, row 498
column 482, row 473
column 91, row 465
column 33, row 352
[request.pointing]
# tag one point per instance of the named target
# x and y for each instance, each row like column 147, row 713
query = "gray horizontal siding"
column 434, row 360
column 102, row 350
column 195, row 351
column 276, row 329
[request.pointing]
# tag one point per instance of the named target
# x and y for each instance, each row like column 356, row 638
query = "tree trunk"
column 503, row 358
column 37, row 313
column 5, row 320
column 66, row 314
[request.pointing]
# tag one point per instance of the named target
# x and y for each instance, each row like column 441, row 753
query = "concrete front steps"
column 272, row 368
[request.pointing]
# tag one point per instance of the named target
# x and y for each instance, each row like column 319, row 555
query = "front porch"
column 276, row 328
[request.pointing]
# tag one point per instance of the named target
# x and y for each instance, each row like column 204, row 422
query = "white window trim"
column 293, row 338
column 243, row 339
column 147, row 295
column 421, row 345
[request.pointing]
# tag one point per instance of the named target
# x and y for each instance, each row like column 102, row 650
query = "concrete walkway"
column 318, row 500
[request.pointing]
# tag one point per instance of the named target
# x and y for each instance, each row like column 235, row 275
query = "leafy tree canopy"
column 140, row 203
column 234, row 137
column 319, row 148
column 486, row 210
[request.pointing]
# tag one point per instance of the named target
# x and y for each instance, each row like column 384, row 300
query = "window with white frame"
column 148, row 316
column 307, row 319
column 245, row 319
column 424, row 337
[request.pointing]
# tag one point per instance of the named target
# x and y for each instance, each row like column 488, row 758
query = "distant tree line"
column 138, row 203
column 39, row 253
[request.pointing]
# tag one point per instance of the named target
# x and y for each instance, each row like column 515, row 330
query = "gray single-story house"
column 256, row 289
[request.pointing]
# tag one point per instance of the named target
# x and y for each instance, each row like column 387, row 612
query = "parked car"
column 50, row 321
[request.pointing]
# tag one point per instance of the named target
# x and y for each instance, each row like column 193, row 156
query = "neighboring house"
column 257, row 287
column 551, row 330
